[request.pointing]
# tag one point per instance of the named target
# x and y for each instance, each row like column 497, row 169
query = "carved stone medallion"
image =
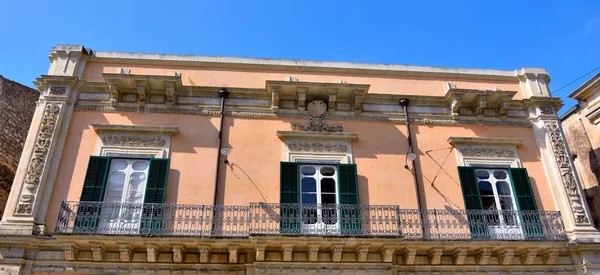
column 317, row 110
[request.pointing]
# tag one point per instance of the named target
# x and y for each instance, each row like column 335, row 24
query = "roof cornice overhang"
column 587, row 89
column 304, row 66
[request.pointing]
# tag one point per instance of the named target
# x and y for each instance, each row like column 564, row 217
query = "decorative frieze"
column 58, row 90
column 546, row 110
column 134, row 141
column 37, row 163
column 567, row 173
column 315, row 146
column 487, row 152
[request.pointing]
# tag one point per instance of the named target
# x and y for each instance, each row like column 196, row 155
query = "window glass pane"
column 309, row 185
column 118, row 164
column 328, row 185
column 483, row 174
column 140, row 165
column 137, row 187
column 506, row 203
column 309, row 198
column 503, row 188
column 500, row 174
column 114, row 191
column 308, row 170
column 485, row 188
column 327, row 198
column 327, row 171
column 489, row 203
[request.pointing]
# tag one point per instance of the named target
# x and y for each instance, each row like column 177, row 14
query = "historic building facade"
column 17, row 104
column 171, row 164
column 582, row 132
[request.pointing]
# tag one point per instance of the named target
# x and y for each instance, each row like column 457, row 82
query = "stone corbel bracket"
column 144, row 87
column 478, row 101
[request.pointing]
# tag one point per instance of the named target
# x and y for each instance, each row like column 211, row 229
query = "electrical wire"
column 568, row 84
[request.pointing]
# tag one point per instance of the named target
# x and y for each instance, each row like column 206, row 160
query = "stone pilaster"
column 555, row 155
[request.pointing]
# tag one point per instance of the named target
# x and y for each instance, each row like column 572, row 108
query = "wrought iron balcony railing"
column 306, row 219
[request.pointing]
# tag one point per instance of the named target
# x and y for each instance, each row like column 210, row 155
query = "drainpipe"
column 223, row 93
column 404, row 103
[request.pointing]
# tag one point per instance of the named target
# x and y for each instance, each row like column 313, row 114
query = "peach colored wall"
column 252, row 174
column 256, row 79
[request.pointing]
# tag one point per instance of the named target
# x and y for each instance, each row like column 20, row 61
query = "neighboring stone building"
column 17, row 105
column 582, row 130
column 175, row 164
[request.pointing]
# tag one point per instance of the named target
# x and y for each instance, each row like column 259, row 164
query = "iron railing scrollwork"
column 306, row 219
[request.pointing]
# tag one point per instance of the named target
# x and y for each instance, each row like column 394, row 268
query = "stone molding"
column 416, row 119
column 563, row 160
column 133, row 141
column 471, row 141
column 38, row 161
column 147, row 130
column 495, row 152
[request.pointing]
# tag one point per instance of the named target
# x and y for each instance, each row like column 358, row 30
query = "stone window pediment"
column 486, row 151
column 154, row 141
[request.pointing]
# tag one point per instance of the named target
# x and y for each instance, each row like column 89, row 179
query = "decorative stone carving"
column 301, row 98
column 336, row 253
column 506, row 256
column 288, row 252
column 357, row 100
column 178, row 253
column 151, row 253
column 316, row 123
column 550, row 257
column 435, row 256
column 58, row 90
column 37, row 163
column 503, row 108
column 409, row 255
column 98, row 252
column 362, row 253
column 134, row 141
column 459, row 256
column 487, row 152
column 546, row 110
column 528, row 257
column 483, row 256
column 315, row 146
column 142, row 91
column 332, row 98
column 71, row 252
column 233, row 254
column 455, row 106
column 170, row 93
column 114, row 90
column 313, row 253
column 260, row 251
column 125, row 253
column 567, row 173
column 275, row 98
column 204, row 254
column 387, row 254
column 480, row 104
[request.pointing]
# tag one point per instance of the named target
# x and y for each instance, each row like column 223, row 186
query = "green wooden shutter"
column 156, row 187
column 470, row 190
column 290, row 198
column 528, row 211
column 349, row 199
column 93, row 191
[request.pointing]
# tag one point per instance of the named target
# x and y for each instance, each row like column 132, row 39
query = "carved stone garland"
column 134, row 141
column 567, row 173
column 313, row 146
column 487, row 152
column 316, row 121
column 37, row 163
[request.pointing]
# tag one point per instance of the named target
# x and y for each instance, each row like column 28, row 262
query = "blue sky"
column 561, row 36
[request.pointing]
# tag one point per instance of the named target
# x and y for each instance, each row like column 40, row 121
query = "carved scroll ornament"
column 37, row 163
column 487, row 152
column 134, row 141
column 567, row 173
column 314, row 146
column 316, row 121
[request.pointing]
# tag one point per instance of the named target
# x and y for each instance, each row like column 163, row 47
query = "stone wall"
column 586, row 162
column 17, row 105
